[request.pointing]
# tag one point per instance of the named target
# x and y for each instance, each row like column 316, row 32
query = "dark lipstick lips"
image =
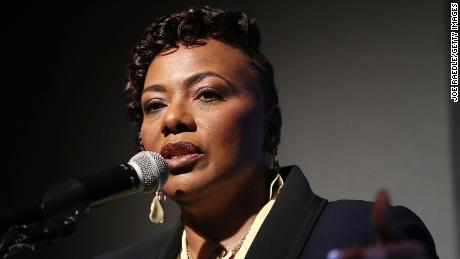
column 181, row 156
column 179, row 148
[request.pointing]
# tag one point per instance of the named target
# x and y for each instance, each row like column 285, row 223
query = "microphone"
column 145, row 172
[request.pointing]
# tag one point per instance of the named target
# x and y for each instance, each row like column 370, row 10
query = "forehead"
column 174, row 66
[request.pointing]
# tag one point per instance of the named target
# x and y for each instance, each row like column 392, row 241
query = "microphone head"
column 152, row 170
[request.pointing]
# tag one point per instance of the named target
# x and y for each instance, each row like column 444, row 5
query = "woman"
column 201, row 94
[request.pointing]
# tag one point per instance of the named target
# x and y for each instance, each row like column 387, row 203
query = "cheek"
column 150, row 133
column 236, row 132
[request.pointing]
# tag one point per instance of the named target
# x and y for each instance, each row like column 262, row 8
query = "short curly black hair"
column 190, row 28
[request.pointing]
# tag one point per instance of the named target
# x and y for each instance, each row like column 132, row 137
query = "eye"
column 153, row 105
column 209, row 95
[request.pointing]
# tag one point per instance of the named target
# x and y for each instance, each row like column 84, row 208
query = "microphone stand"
column 61, row 208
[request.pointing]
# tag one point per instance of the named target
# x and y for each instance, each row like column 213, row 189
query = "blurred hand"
column 386, row 247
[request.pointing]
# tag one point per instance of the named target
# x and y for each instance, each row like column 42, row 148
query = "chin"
column 186, row 187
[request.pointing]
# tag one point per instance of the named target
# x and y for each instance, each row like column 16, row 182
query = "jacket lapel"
column 286, row 228
column 291, row 219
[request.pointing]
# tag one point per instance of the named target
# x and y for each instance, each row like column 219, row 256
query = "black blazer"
column 299, row 225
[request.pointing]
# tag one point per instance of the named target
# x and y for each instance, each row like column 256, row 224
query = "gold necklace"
column 224, row 252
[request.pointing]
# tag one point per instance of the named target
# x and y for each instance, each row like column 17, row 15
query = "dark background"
column 363, row 87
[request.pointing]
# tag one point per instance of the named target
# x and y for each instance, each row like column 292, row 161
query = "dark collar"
column 291, row 219
column 286, row 228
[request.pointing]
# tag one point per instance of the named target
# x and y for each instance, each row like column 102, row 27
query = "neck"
column 225, row 218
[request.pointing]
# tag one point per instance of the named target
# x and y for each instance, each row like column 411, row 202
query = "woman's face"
column 202, row 112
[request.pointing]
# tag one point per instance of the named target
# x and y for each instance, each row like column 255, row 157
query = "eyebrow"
column 190, row 81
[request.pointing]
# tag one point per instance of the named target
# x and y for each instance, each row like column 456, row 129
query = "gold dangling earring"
column 157, row 213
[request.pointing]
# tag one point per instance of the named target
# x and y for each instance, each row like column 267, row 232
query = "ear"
column 273, row 129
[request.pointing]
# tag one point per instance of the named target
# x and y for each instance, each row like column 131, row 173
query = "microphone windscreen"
column 152, row 170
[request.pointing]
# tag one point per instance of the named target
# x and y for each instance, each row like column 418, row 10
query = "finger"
column 381, row 216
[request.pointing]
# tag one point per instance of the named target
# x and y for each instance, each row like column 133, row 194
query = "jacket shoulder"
column 344, row 223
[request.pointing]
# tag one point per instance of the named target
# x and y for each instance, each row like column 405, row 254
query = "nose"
column 177, row 119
